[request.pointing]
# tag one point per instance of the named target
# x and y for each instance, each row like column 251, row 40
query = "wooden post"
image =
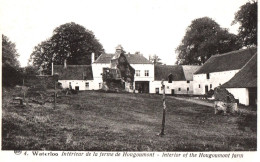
column 164, row 110
column 54, row 94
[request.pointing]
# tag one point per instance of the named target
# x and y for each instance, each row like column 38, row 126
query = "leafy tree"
column 69, row 41
column 204, row 38
column 9, row 53
column 11, row 72
column 247, row 18
column 155, row 59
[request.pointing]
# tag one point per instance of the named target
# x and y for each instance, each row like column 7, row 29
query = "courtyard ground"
column 123, row 122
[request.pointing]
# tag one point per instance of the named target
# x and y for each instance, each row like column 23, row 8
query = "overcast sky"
column 149, row 26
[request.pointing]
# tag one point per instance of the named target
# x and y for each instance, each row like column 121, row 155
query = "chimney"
column 119, row 49
column 65, row 63
column 92, row 57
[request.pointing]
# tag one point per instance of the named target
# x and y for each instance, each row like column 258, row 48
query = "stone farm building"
column 243, row 85
column 219, row 69
column 147, row 76
column 178, row 79
column 236, row 71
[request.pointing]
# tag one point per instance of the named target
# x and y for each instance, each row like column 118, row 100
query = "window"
column 137, row 72
column 100, row 85
column 207, row 75
column 188, row 89
column 199, row 85
column 87, row 85
column 188, row 81
column 168, row 87
column 179, row 89
column 146, row 73
column 210, row 86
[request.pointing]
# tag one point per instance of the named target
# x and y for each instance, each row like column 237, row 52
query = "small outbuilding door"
column 157, row 90
column 173, row 92
column 206, row 89
column 77, row 88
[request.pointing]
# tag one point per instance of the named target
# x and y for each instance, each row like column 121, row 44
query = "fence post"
column 54, row 94
column 164, row 110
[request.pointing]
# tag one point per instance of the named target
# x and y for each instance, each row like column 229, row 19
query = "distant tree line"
column 204, row 37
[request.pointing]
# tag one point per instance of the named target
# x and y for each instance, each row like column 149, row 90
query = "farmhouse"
column 243, row 85
column 178, row 79
column 144, row 69
column 219, row 69
column 90, row 77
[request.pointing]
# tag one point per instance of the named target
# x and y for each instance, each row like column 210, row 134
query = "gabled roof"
column 131, row 58
column 104, row 58
column 163, row 71
column 73, row 72
column 246, row 77
column 189, row 70
column 234, row 60
column 179, row 72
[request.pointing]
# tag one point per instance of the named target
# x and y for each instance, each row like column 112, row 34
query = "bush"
column 11, row 76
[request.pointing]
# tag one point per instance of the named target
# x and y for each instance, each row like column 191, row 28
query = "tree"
column 155, row 59
column 69, row 41
column 11, row 72
column 9, row 53
column 204, row 38
column 247, row 18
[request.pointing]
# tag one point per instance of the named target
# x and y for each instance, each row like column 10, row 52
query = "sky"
column 148, row 26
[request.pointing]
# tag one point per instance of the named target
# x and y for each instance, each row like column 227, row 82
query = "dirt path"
column 241, row 109
column 194, row 101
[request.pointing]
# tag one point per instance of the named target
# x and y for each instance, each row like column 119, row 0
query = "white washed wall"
column 241, row 94
column 183, row 85
column 97, row 70
column 215, row 80
column 142, row 68
column 80, row 83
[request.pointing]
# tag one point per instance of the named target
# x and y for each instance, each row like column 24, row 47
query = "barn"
column 244, row 84
column 178, row 79
column 219, row 69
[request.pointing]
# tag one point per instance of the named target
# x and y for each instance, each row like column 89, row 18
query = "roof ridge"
column 72, row 65
column 232, row 52
column 249, row 61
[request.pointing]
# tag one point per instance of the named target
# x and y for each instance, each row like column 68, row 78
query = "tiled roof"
column 246, row 77
column 73, row 72
column 229, row 61
column 189, row 70
column 104, row 58
column 163, row 71
column 131, row 58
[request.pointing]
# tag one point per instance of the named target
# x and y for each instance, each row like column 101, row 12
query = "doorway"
column 206, row 89
column 142, row 86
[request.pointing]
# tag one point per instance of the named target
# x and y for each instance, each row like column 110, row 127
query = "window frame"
column 146, row 73
column 138, row 73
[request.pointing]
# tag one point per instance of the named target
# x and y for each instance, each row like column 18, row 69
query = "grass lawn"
column 123, row 122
